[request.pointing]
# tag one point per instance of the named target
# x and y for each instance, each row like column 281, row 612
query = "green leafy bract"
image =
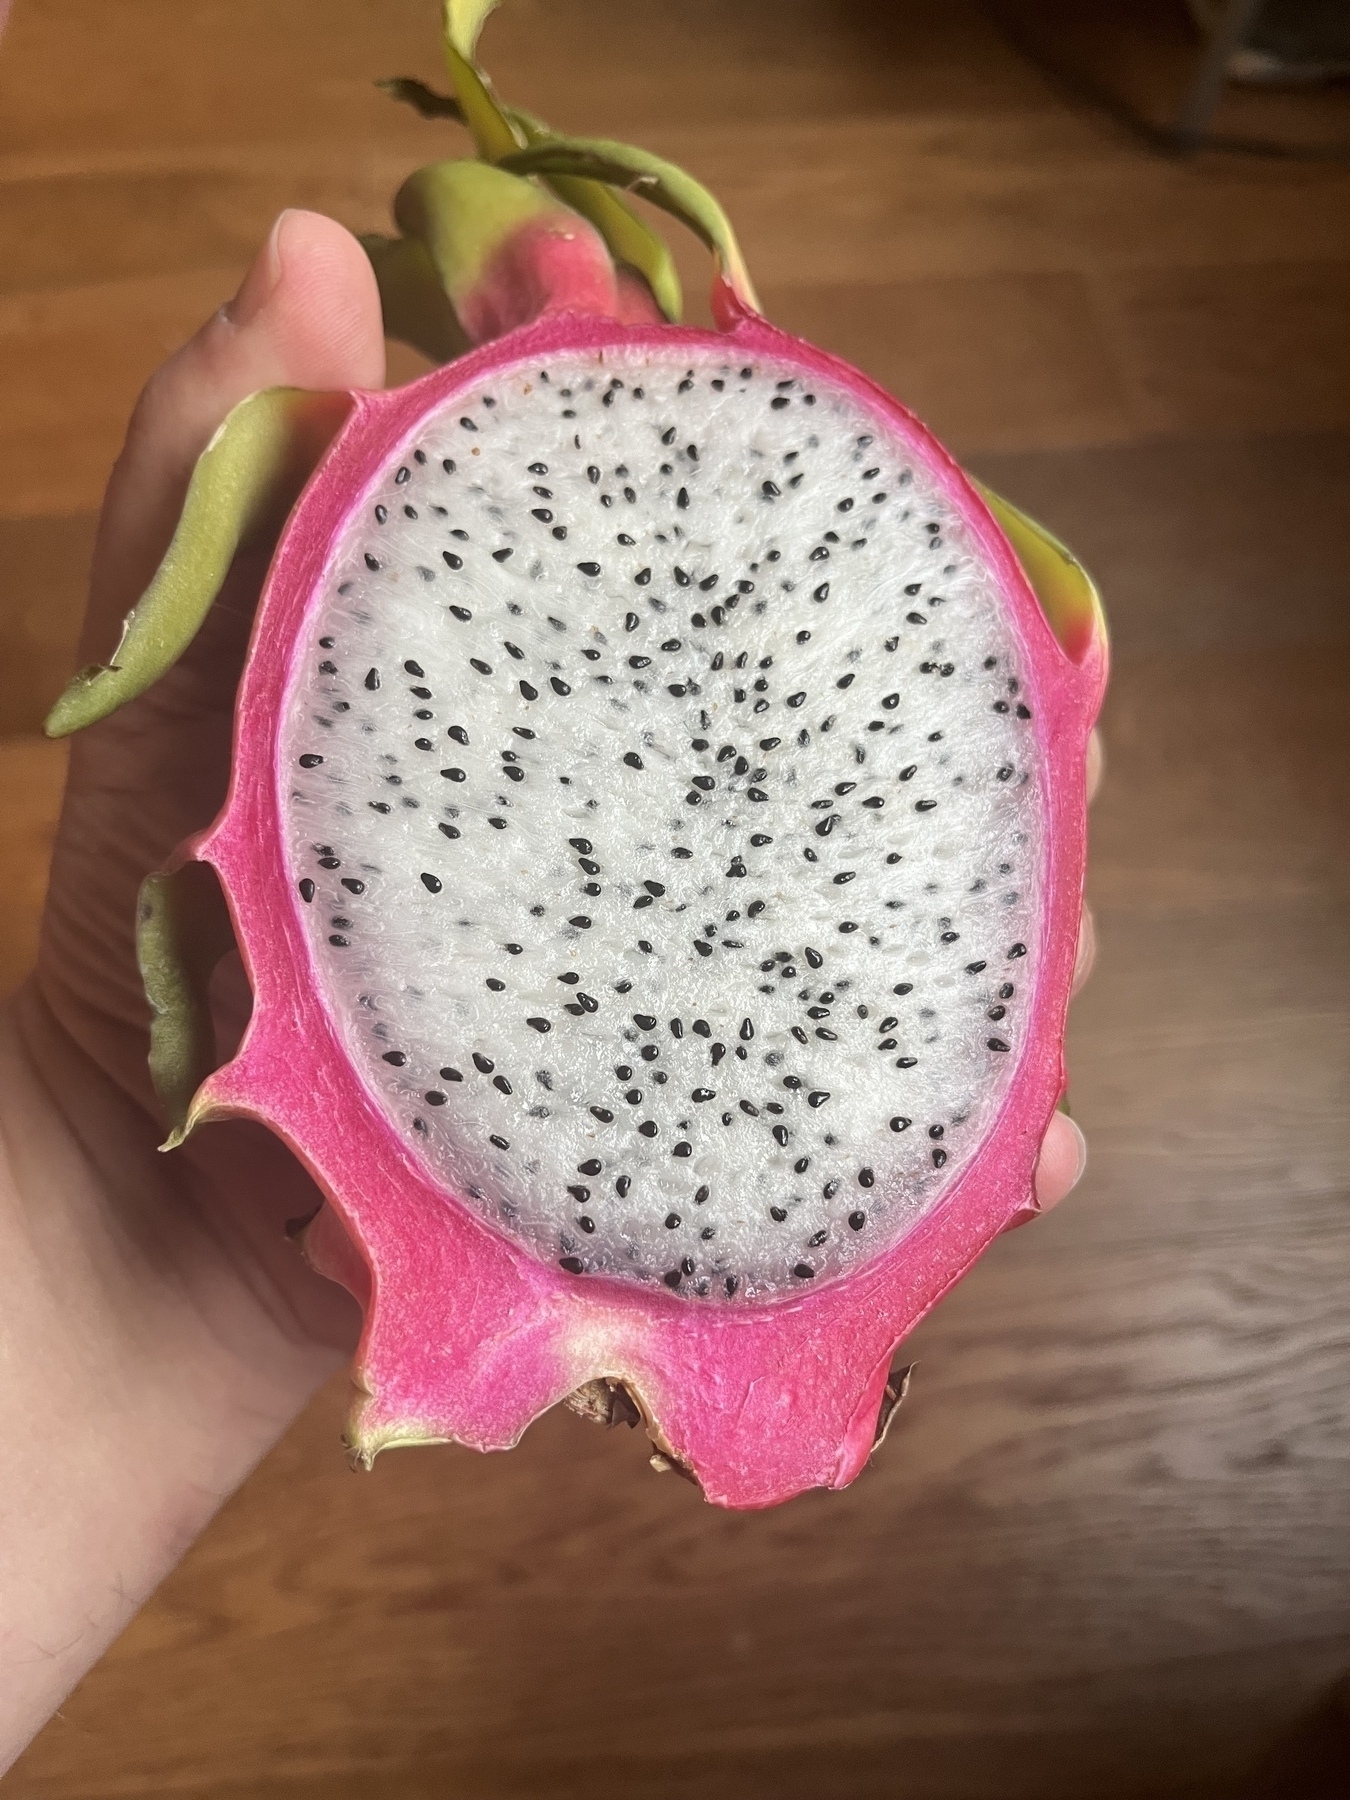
column 244, row 484
column 413, row 298
column 183, row 930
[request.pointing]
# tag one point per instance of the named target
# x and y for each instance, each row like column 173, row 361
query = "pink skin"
column 554, row 262
column 466, row 1335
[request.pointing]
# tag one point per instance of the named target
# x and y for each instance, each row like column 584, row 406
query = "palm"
column 140, row 783
column 143, row 780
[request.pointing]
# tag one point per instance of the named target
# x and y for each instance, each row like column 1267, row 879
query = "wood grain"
column 1106, row 1549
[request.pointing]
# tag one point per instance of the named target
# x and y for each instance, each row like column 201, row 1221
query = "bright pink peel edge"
column 467, row 1336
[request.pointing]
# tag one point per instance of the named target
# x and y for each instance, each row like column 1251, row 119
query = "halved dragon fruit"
column 655, row 840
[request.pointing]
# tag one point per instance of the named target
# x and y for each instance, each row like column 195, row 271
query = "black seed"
column 581, row 922
column 500, row 1081
column 500, row 555
column 903, row 987
column 804, row 1271
column 558, row 685
column 1018, row 950
column 306, row 890
column 573, row 1265
column 939, row 1157
column 540, row 1025
column 483, row 668
column 589, row 568
column 996, row 1043
column 682, row 1149
column 622, row 1185
column 817, row 1097
column 502, row 1144
column 432, row 883
column 648, row 1128
column 483, row 1064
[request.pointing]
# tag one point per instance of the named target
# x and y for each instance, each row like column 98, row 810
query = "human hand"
column 307, row 315
column 158, row 1329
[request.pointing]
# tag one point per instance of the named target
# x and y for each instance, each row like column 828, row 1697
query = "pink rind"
column 467, row 1336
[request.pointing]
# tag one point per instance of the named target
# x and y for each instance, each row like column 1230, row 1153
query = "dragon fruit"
column 655, row 840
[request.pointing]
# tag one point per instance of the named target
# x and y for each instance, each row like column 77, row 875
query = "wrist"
column 145, row 1371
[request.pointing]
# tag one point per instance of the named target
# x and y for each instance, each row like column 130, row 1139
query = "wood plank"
column 1229, row 349
column 1106, row 1549
column 990, row 363
column 151, row 74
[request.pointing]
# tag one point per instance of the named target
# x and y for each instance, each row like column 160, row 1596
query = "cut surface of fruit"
column 665, row 818
column 559, row 640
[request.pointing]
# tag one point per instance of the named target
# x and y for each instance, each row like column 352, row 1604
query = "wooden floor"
column 1106, row 1551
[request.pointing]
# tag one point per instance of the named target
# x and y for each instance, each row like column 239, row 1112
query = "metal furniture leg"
column 1193, row 121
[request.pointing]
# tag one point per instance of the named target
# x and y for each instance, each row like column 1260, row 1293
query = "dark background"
column 1106, row 1549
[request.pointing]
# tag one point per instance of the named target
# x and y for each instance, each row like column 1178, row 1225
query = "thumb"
column 307, row 315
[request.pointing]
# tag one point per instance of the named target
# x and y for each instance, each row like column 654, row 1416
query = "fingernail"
column 260, row 283
column 1081, row 1168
